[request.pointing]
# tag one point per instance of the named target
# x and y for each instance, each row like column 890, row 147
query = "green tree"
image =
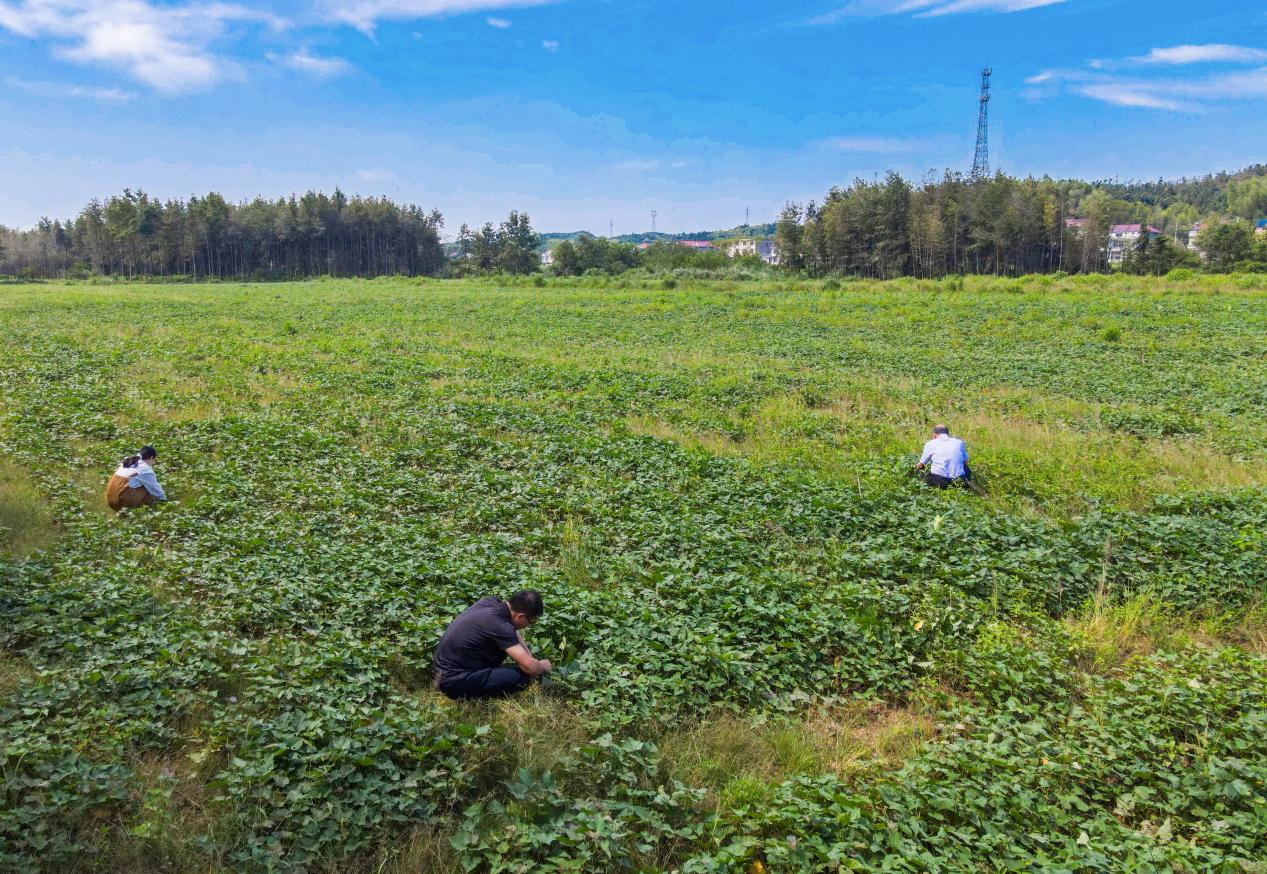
column 789, row 235
column 1137, row 259
column 566, row 260
column 1226, row 245
column 1247, row 199
column 517, row 245
column 1258, row 254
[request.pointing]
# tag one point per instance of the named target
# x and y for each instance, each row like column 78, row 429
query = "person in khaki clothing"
column 134, row 482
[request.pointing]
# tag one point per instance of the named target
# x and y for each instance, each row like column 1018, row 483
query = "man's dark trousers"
column 942, row 482
column 945, row 482
column 486, row 683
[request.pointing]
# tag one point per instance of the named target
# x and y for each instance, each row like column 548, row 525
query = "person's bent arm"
column 151, row 484
column 533, row 667
column 524, row 643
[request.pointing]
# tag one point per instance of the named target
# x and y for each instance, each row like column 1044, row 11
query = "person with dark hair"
column 470, row 657
column 134, row 482
column 945, row 458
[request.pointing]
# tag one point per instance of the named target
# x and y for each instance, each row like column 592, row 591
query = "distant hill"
column 765, row 230
column 1205, row 193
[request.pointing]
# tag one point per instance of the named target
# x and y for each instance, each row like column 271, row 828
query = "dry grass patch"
column 274, row 387
column 171, row 808
column 26, row 521
column 727, row 754
column 1113, row 634
column 90, row 482
column 13, row 673
column 867, row 735
column 574, row 560
column 210, row 392
column 425, row 850
column 1246, row 628
column 531, row 730
column 535, row 731
column 651, row 426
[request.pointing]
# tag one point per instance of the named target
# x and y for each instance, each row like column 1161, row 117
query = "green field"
column 780, row 652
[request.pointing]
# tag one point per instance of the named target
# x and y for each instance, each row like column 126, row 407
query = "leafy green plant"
column 712, row 488
column 545, row 824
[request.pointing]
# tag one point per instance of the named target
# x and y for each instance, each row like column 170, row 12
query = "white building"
column 547, row 257
column 763, row 249
column 1124, row 237
column 1193, row 233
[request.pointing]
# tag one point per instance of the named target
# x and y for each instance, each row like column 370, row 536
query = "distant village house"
column 763, row 249
column 1124, row 237
column 1193, row 235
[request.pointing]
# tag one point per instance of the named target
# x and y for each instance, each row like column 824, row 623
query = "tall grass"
column 26, row 523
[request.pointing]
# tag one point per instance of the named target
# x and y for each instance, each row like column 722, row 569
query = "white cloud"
column 1135, row 95
column 1105, row 82
column 376, row 176
column 364, row 15
column 499, row 23
column 550, row 45
column 876, row 145
column 1202, row 54
column 305, row 62
column 989, row 6
column 636, row 166
column 1247, row 85
column 58, row 89
column 165, row 47
column 926, row 8
column 649, row 165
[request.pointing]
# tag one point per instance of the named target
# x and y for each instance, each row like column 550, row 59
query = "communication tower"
column 981, row 161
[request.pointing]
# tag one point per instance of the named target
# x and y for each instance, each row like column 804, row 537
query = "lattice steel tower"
column 981, row 161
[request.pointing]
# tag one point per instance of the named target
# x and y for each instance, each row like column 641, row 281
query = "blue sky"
column 585, row 112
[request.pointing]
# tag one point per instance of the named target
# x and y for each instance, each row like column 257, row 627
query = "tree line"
column 1005, row 226
column 1217, row 193
column 588, row 254
column 884, row 228
column 133, row 235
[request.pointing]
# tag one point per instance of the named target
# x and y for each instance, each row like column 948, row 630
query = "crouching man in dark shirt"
column 469, row 659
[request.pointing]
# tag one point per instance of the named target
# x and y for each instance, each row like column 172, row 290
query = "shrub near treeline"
column 241, row 681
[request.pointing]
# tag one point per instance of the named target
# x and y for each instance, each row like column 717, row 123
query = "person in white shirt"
column 945, row 459
column 134, row 482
